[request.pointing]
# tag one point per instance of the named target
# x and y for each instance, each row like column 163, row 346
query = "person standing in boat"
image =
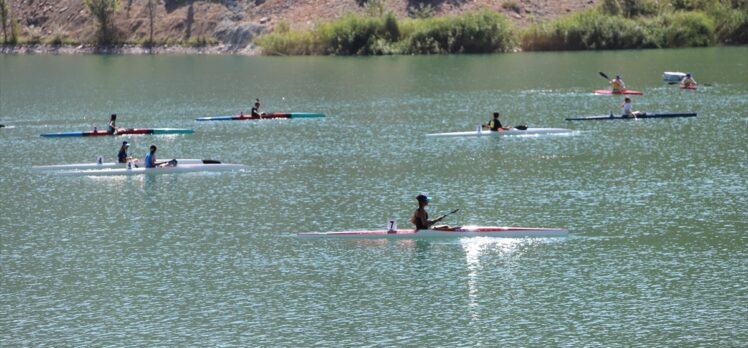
column 421, row 217
column 123, row 156
column 627, row 109
column 494, row 124
column 688, row 82
column 617, row 85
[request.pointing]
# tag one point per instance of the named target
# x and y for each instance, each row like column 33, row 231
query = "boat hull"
column 624, row 92
column 513, row 131
column 128, row 131
column 268, row 116
column 443, row 232
column 643, row 115
column 184, row 168
column 106, row 165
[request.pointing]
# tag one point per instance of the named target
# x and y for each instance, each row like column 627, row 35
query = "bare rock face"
column 237, row 36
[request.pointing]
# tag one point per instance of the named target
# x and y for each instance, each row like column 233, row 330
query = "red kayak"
column 688, row 87
column 625, row 91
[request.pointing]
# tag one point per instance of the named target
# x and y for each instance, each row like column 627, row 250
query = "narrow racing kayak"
column 108, row 165
column 643, row 115
column 625, row 91
column 442, row 232
column 514, row 131
column 127, row 131
column 206, row 166
column 267, row 116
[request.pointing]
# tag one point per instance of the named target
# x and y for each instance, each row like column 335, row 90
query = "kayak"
column 513, row 131
column 625, row 91
column 271, row 115
column 442, row 232
column 128, row 131
column 688, row 87
column 643, row 115
column 107, row 165
column 207, row 166
column 673, row 77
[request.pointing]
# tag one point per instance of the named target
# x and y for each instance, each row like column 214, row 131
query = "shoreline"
column 127, row 49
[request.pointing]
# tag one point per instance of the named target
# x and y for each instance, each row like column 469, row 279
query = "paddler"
column 421, row 217
column 123, row 156
column 617, row 85
column 688, row 82
column 627, row 112
column 151, row 162
column 494, row 124
column 112, row 127
column 256, row 109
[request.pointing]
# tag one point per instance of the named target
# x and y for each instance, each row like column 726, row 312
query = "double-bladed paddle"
column 445, row 215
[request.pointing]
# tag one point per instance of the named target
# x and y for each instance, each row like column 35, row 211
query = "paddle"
column 605, row 76
column 445, row 215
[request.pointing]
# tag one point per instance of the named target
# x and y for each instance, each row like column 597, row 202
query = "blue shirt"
column 122, row 156
column 150, row 160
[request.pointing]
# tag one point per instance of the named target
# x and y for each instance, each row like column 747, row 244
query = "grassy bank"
column 618, row 24
column 613, row 24
column 475, row 32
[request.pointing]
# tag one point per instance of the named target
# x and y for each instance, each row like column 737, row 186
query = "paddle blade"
column 603, row 75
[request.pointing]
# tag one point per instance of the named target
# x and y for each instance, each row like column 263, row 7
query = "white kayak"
column 212, row 166
column 106, row 165
column 442, row 232
column 510, row 132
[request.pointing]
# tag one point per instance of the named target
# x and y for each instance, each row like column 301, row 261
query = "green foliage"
column 15, row 31
column 589, row 29
column 686, row 29
column 475, row 32
column 103, row 10
column 375, row 8
column 629, row 8
column 4, row 18
column 421, row 11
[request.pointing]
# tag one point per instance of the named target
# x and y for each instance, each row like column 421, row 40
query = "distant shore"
column 127, row 49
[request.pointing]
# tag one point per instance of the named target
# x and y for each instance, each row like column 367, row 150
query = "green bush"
column 475, row 32
column 685, row 29
column 590, row 29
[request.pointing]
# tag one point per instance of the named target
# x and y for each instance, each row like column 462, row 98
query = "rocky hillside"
column 236, row 23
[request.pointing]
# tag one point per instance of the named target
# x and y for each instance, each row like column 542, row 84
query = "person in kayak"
column 112, row 127
column 494, row 124
column 617, row 85
column 627, row 112
column 151, row 162
column 421, row 217
column 256, row 109
column 123, row 156
column 688, row 82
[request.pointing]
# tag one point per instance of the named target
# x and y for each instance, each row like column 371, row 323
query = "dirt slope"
column 236, row 23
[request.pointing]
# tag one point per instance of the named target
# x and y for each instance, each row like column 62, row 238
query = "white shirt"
column 627, row 108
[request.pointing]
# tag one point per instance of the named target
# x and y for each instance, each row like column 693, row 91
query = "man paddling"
column 494, row 124
column 617, row 85
column 627, row 112
column 688, row 82
column 256, row 109
column 421, row 217
column 151, row 162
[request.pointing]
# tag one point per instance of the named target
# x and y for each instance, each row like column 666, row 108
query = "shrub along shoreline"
column 613, row 24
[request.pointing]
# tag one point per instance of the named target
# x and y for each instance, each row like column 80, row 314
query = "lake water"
column 657, row 210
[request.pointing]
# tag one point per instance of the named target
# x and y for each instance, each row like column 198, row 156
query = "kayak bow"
column 262, row 117
column 128, row 131
column 443, row 232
